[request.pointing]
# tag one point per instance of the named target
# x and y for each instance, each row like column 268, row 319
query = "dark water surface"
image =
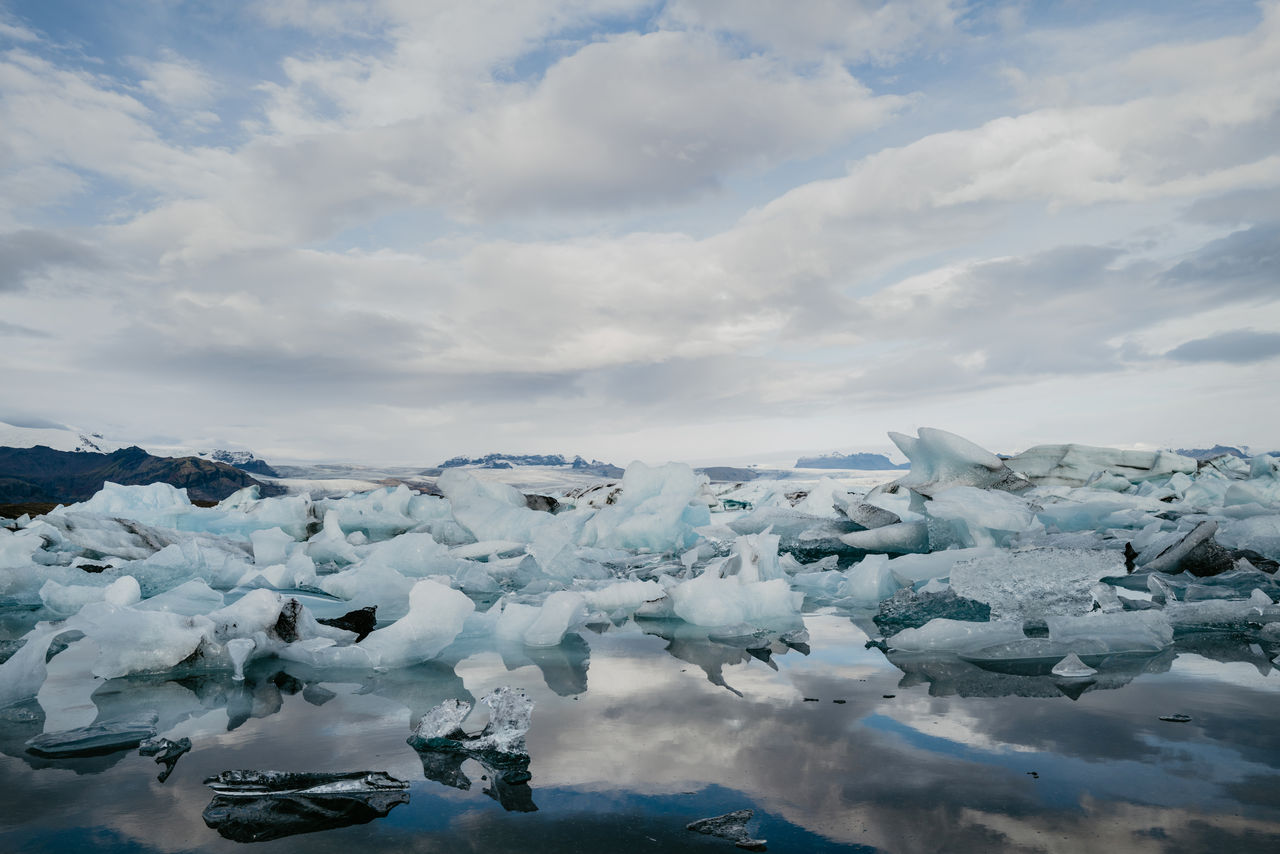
column 635, row 735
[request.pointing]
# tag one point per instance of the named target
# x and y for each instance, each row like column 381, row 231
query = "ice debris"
column 499, row 748
column 256, row 806
column 731, row 826
column 1072, row 667
column 1131, row 543
column 95, row 739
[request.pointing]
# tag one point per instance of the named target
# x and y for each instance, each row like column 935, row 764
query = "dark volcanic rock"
column 545, row 503
column 43, row 474
column 361, row 621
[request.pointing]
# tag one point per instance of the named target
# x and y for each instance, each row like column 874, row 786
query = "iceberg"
column 941, row 460
column 1080, row 465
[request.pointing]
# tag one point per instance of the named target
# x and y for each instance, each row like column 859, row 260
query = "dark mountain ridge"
column 41, row 474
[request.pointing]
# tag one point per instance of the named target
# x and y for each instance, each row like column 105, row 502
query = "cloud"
column 857, row 31
column 30, row 253
column 1246, row 261
column 177, row 82
column 18, row 331
column 1238, row 346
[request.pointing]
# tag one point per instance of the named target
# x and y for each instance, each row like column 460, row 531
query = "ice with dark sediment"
column 1131, row 544
column 97, row 738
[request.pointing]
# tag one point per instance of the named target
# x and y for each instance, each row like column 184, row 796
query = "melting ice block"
column 980, row 517
column 737, row 589
column 902, row 538
column 1035, row 582
column 436, row 615
column 657, row 509
column 1072, row 667
column 1127, row 631
column 940, row 460
column 943, row 635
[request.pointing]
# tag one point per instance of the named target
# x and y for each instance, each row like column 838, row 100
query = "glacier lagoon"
column 684, row 661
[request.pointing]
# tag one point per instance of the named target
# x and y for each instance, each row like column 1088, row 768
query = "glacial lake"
column 636, row 734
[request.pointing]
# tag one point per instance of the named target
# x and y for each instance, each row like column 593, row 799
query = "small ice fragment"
column 95, row 739
column 1176, row 719
column 731, row 826
column 443, row 721
column 1072, row 667
column 166, row 752
column 510, row 716
column 1260, row 600
column 1106, row 597
column 1159, row 587
column 239, row 650
column 1256, row 649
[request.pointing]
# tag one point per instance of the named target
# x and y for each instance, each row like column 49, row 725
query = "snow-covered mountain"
column 61, row 438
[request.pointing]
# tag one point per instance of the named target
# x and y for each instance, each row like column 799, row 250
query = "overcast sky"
column 395, row 231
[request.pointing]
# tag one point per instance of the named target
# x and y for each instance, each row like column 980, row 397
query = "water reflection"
column 943, row 762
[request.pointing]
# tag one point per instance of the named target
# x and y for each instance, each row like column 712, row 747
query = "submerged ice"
column 1061, row 555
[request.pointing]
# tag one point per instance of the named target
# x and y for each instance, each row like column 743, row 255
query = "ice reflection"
column 944, row 761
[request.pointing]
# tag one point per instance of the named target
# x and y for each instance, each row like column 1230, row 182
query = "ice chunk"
column 1075, row 465
column 1221, row 612
column 1106, row 597
column 863, row 513
column 909, row 569
column 166, row 752
column 657, row 509
column 510, row 716
column 270, row 546
column 624, row 596
column 436, row 615
column 1196, row 553
column 1072, row 667
column 443, row 721
column 1259, row 533
column 158, row 504
column 870, row 580
column 1128, row 631
column 754, row 557
column 239, row 649
column 823, row 500
column 377, row 585
column 70, row 598
column 560, row 612
column 909, row 609
column 379, row 514
column 902, row 538
column 943, row 635
column 244, row 815
column 731, row 826
column 940, row 460
column 980, row 517
column 330, row 544
column 95, row 739
column 1035, row 582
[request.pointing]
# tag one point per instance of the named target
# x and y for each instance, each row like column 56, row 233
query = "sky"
column 394, row 231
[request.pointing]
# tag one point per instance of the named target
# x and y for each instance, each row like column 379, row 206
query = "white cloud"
column 177, row 82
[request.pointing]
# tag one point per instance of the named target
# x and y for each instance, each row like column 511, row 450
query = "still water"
column 639, row 730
